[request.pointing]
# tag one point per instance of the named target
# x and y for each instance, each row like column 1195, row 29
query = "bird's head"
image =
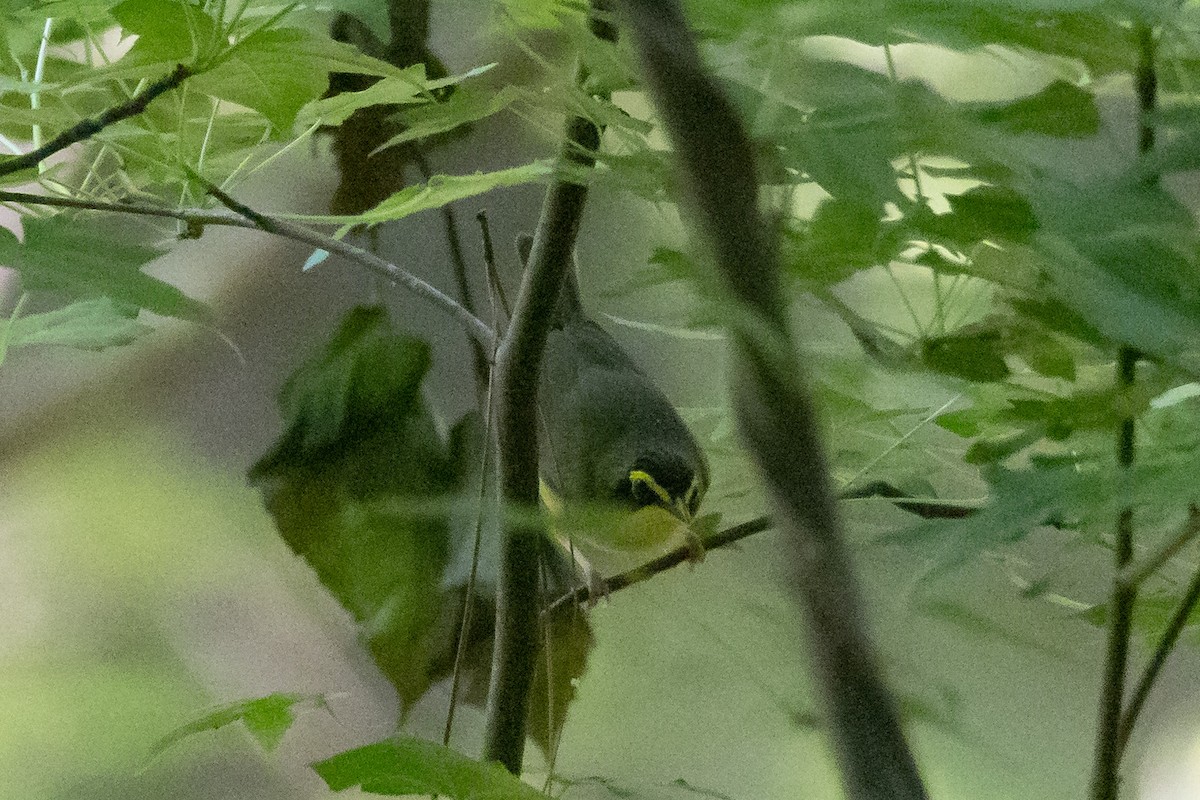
column 664, row 482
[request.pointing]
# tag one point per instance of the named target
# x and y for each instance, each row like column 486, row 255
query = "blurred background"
column 142, row 582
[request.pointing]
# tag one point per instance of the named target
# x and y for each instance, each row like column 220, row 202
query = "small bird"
column 620, row 471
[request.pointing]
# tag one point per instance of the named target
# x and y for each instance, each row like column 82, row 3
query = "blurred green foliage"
column 964, row 257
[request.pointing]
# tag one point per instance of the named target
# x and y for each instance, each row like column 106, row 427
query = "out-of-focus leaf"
column 977, row 355
column 997, row 448
column 1061, row 109
column 359, row 436
column 1151, row 614
column 87, row 257
column 1123, row 255
column 569, row 639
column 266, row 718
column 93, row 324
column 167, row 31
column 840, row 241
column 988, row 212
column 408, row 766
column 1019, row 501
column 369, row 12
column 338, row 108
column 276, row 72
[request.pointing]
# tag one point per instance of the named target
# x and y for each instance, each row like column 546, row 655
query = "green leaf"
column 988, row 212
column 88, row 257
column 386, row 91
column 1061, row 109
column 976, row 355
column 266, row 718
column 443, row 189
column 371, row 13
column 93, row 324
column 462, row 107
column 997, row 448
column 167, row 30
column 841, row 240
column 276, row 72
column 360, row 448
column 408, row 766
column 1019, row 502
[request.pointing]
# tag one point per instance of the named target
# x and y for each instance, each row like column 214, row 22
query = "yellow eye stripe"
column 638, row 476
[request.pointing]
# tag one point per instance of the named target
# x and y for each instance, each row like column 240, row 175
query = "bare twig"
column 244, row 217
column 775, row 413
column 489, row 260
column 93, row 125
column 582, row 594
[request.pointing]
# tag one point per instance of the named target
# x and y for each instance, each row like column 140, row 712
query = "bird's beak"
column 679, row 509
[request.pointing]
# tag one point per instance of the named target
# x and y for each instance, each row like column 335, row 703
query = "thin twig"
column 245, row 217
column 93, row 125
column 582, row 594
column 1136, row 573
column 1164, row 648
column 459, row 263
column 489, row 260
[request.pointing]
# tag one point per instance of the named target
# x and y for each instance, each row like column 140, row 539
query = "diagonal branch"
column 244, row 217
column 93, row 125
column 775, row 413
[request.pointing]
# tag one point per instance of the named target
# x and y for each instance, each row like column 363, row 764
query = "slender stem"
column 39, row 71
column 464, row 633
column 518, row 367
column 489, row 259
column 1164, row 648
column 1108, row 748
column 459, row 263
column 244, row 217
column 93, row 125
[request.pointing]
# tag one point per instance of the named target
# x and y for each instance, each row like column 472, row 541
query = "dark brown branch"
column 518, row 365
column 775, row 413
column 93, row 125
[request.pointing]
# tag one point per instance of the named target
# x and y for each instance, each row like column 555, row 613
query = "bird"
column 619, row 469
